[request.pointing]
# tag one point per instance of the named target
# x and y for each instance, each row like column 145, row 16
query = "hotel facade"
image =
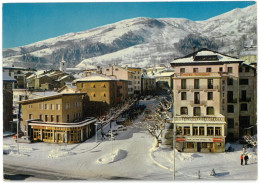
column 214, row 100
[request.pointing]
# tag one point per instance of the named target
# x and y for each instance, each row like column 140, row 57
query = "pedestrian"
column 241, row 157
column 246, row 159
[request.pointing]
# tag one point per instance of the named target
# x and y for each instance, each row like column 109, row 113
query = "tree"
column 252, row 140
column 155, row 122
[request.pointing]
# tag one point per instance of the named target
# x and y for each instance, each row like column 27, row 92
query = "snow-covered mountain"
column 139, row 41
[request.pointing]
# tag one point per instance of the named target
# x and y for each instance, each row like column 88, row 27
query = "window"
column 179, row 130
column 183, row 84
column 107, row 69
column 189, row 145
column 186, row 130
column 210, row 131
column 195, row 70
column 201, row 130
column 184, row 111
column 210, row 110
column 240, row 69
column 183, row 96
column 210, row 95
column 46, row 118
column 210, row 83
column 230, row 122
column 67, row 105
column 221, row 69
column 230, row 96
column 230, row 108
column 40, row 116
column 81, row 85
column 196, row 111
column 30, row 116
column 52, row 118
column 57, row 118
column 46, row 107
column 93, row 86
column 243, row 81
column 195, row 131
column 30, row 106
column 57, row 106
column 116, row 69
column 196, row 97
column 68, row 117
column 217, row 131
column 196, row 84
column 230, row 70
column 182, row 70
column 52, row 107
column 230, row 81
column 208, row 69
column 246, row 69
column 243, row 107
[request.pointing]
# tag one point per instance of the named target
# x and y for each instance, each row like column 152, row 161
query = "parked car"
column 20, row 134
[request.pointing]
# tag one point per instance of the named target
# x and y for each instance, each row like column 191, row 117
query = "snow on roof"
column 63, row 77
column 96, row 77
column 164, row 74
column 6, row 77
column 148, row 77
column 205, row 52
column 46, row 93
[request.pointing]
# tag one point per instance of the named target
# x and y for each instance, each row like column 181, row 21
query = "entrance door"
column 59, row 137
column 198, row 146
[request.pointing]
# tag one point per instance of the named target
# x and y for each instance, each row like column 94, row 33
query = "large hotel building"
column 214, row 101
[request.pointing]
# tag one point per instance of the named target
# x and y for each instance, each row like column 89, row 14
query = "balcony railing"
column 194, row 119
column 232, row 100
column 200, row 88
column 245, row 100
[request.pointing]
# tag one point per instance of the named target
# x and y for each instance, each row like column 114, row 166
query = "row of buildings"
column 214, row 99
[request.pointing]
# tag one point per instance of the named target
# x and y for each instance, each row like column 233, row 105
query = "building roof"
column 8, row 78
column 48, row 98
column 148, row 77
column 164, row 74
column 204, row 56
column 95, row 77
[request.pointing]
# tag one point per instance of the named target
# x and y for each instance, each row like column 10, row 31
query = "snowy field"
column 131, row 155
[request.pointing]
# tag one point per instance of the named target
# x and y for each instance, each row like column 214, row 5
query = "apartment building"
column 58, row 118
column 137, row 75
column 207, row 87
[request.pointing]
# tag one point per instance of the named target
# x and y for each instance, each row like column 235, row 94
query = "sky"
column 26, row 23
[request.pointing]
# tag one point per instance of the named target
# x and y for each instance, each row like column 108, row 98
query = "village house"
column 148, row 84
column 59, row 118
column 214, row 97
column 137, row 75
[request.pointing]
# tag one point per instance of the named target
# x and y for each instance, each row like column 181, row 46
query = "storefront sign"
column 195, row 74
column 217, row 140
column 196, row 139
column 180, row 139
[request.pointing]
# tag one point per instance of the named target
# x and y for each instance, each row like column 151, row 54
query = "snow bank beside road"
column 57, row 153
column 112, row 157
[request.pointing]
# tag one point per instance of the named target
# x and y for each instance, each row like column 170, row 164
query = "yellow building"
column 137, row 75
column 57, row 118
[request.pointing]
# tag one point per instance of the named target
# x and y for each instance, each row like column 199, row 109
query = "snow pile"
column 57, row 153
column 184, row 156
column 14, row 153
column 112, row 157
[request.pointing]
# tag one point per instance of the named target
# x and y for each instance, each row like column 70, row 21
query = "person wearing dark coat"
column 246, row 159
column 241, row 157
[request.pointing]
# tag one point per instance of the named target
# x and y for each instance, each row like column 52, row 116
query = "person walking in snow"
column 241, row 157
column 246, row 159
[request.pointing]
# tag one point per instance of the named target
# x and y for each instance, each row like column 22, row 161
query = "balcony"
column 199, row 119
column 232, row 100
column 245, row 100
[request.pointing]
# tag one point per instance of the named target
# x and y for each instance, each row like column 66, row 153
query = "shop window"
column 36, row 134
column 196, row 84
column 243, row 107
column 183, row 96
column 47, row 135
column 230, row 70
column 195, row 131
column 201, row 130
column 210, row 95
column 230, row 81
column 243, row 81
column 186, row 130
column 204, row 145
column 182, row 70
column 196, row 111
column 217, row 131
column 230, row 122
column 195, row 70
column 189, row 145
column 210, row 83
column 210, row 131
column 196, row 98
column 210, row 110
column 208, row 69
column 184, row 110
column 230, row 108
